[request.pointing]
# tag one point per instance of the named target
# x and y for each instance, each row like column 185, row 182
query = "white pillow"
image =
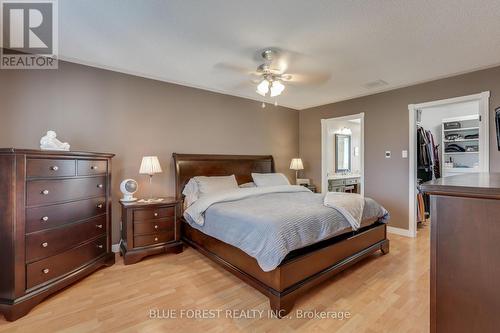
column 269, row 179
column 247, row 185
column 208, row 185
column 191, row 193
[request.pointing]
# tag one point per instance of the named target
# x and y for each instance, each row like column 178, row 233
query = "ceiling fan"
column 271, row 75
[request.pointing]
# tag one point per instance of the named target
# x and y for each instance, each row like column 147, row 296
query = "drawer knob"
column 45, row 218
column 99, row 226
column 155, row 214
column 100, row 185
column 45, row 192
column 94, row 167
column 99, row 246
column 156, row 239
column 156, row 227
column 99, row 206
column 45, row 244
column 54, row 168
column 46, row 271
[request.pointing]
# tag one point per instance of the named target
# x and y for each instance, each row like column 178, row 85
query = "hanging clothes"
column 423, row 150
column 428, row 168
column 434, row 151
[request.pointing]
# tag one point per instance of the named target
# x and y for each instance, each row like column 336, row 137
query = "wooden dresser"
column 465, row 253
column 149, row 228
column 55, row 223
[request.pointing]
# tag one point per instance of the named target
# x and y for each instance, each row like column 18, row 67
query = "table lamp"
column 296, row 165
column 150, row 165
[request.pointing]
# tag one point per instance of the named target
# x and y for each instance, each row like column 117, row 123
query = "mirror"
column 342, row 153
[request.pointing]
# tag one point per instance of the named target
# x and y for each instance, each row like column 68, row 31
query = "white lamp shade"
column 263, row 87
column 277, row 88
column 150, row 165
column 296, row 164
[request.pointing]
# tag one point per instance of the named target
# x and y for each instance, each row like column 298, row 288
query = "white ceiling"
column 352, row 43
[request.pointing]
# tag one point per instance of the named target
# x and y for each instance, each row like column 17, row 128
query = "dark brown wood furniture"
column 55, row 223
column 301, row 269
column 465, row 253
column 150, row 228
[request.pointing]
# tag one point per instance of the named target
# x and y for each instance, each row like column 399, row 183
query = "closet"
column 449, row 142
column 449, row 138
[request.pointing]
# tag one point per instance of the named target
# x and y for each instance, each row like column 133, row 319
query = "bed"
column 286, row 275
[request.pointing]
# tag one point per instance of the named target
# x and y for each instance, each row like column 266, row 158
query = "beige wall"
column 104, row 111
column 386, row 128
column 98, row 110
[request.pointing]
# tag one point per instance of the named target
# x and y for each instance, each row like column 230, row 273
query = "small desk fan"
column 128, row 188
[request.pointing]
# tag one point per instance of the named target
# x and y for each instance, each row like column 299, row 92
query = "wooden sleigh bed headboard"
column 188, row 166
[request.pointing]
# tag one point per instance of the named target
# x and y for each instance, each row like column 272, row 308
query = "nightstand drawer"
column 153, row 213
column 145, row 228
column 157, row 238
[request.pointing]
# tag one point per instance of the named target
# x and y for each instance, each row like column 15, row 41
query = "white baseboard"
column 399, row 231
column 115, row 248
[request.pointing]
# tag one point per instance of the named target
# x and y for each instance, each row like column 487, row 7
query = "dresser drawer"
column 157, row 238
column 45, row 217
column 150, row 214
column 91, row 167
column 46, row 243
column 40, row 192
column 150, row 227
column 50, row 168
column 47, row 269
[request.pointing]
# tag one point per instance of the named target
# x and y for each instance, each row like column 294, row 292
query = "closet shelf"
column 462, row 152
column 461, row 129
column 460, row 140
column 461, row 170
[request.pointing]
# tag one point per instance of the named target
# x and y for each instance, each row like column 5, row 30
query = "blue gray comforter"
column 268, row 226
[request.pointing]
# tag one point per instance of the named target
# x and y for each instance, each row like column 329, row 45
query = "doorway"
column 342, row 154
column 447, row 137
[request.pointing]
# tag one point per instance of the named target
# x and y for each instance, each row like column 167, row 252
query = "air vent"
column 375, row 84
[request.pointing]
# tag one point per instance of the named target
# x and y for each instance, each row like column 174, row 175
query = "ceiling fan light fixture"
column 263, row 87
column 277, row 88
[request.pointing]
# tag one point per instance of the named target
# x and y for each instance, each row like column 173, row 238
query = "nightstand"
column 149, row 228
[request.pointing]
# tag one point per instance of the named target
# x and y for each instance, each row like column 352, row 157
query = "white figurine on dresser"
column 50, row 142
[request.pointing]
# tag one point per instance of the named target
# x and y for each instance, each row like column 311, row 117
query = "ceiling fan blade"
column 310, row 78
column 233, row 68
column 246, row 85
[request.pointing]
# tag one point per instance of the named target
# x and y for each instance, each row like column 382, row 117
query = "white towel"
column 350, row 205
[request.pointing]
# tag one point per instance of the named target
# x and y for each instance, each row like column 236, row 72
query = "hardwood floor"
column 382, row 294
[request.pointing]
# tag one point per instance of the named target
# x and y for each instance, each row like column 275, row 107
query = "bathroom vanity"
column 344, row 183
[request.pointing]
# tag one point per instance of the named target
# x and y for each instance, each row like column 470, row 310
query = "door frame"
column 484, row 103
column 324, row 137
